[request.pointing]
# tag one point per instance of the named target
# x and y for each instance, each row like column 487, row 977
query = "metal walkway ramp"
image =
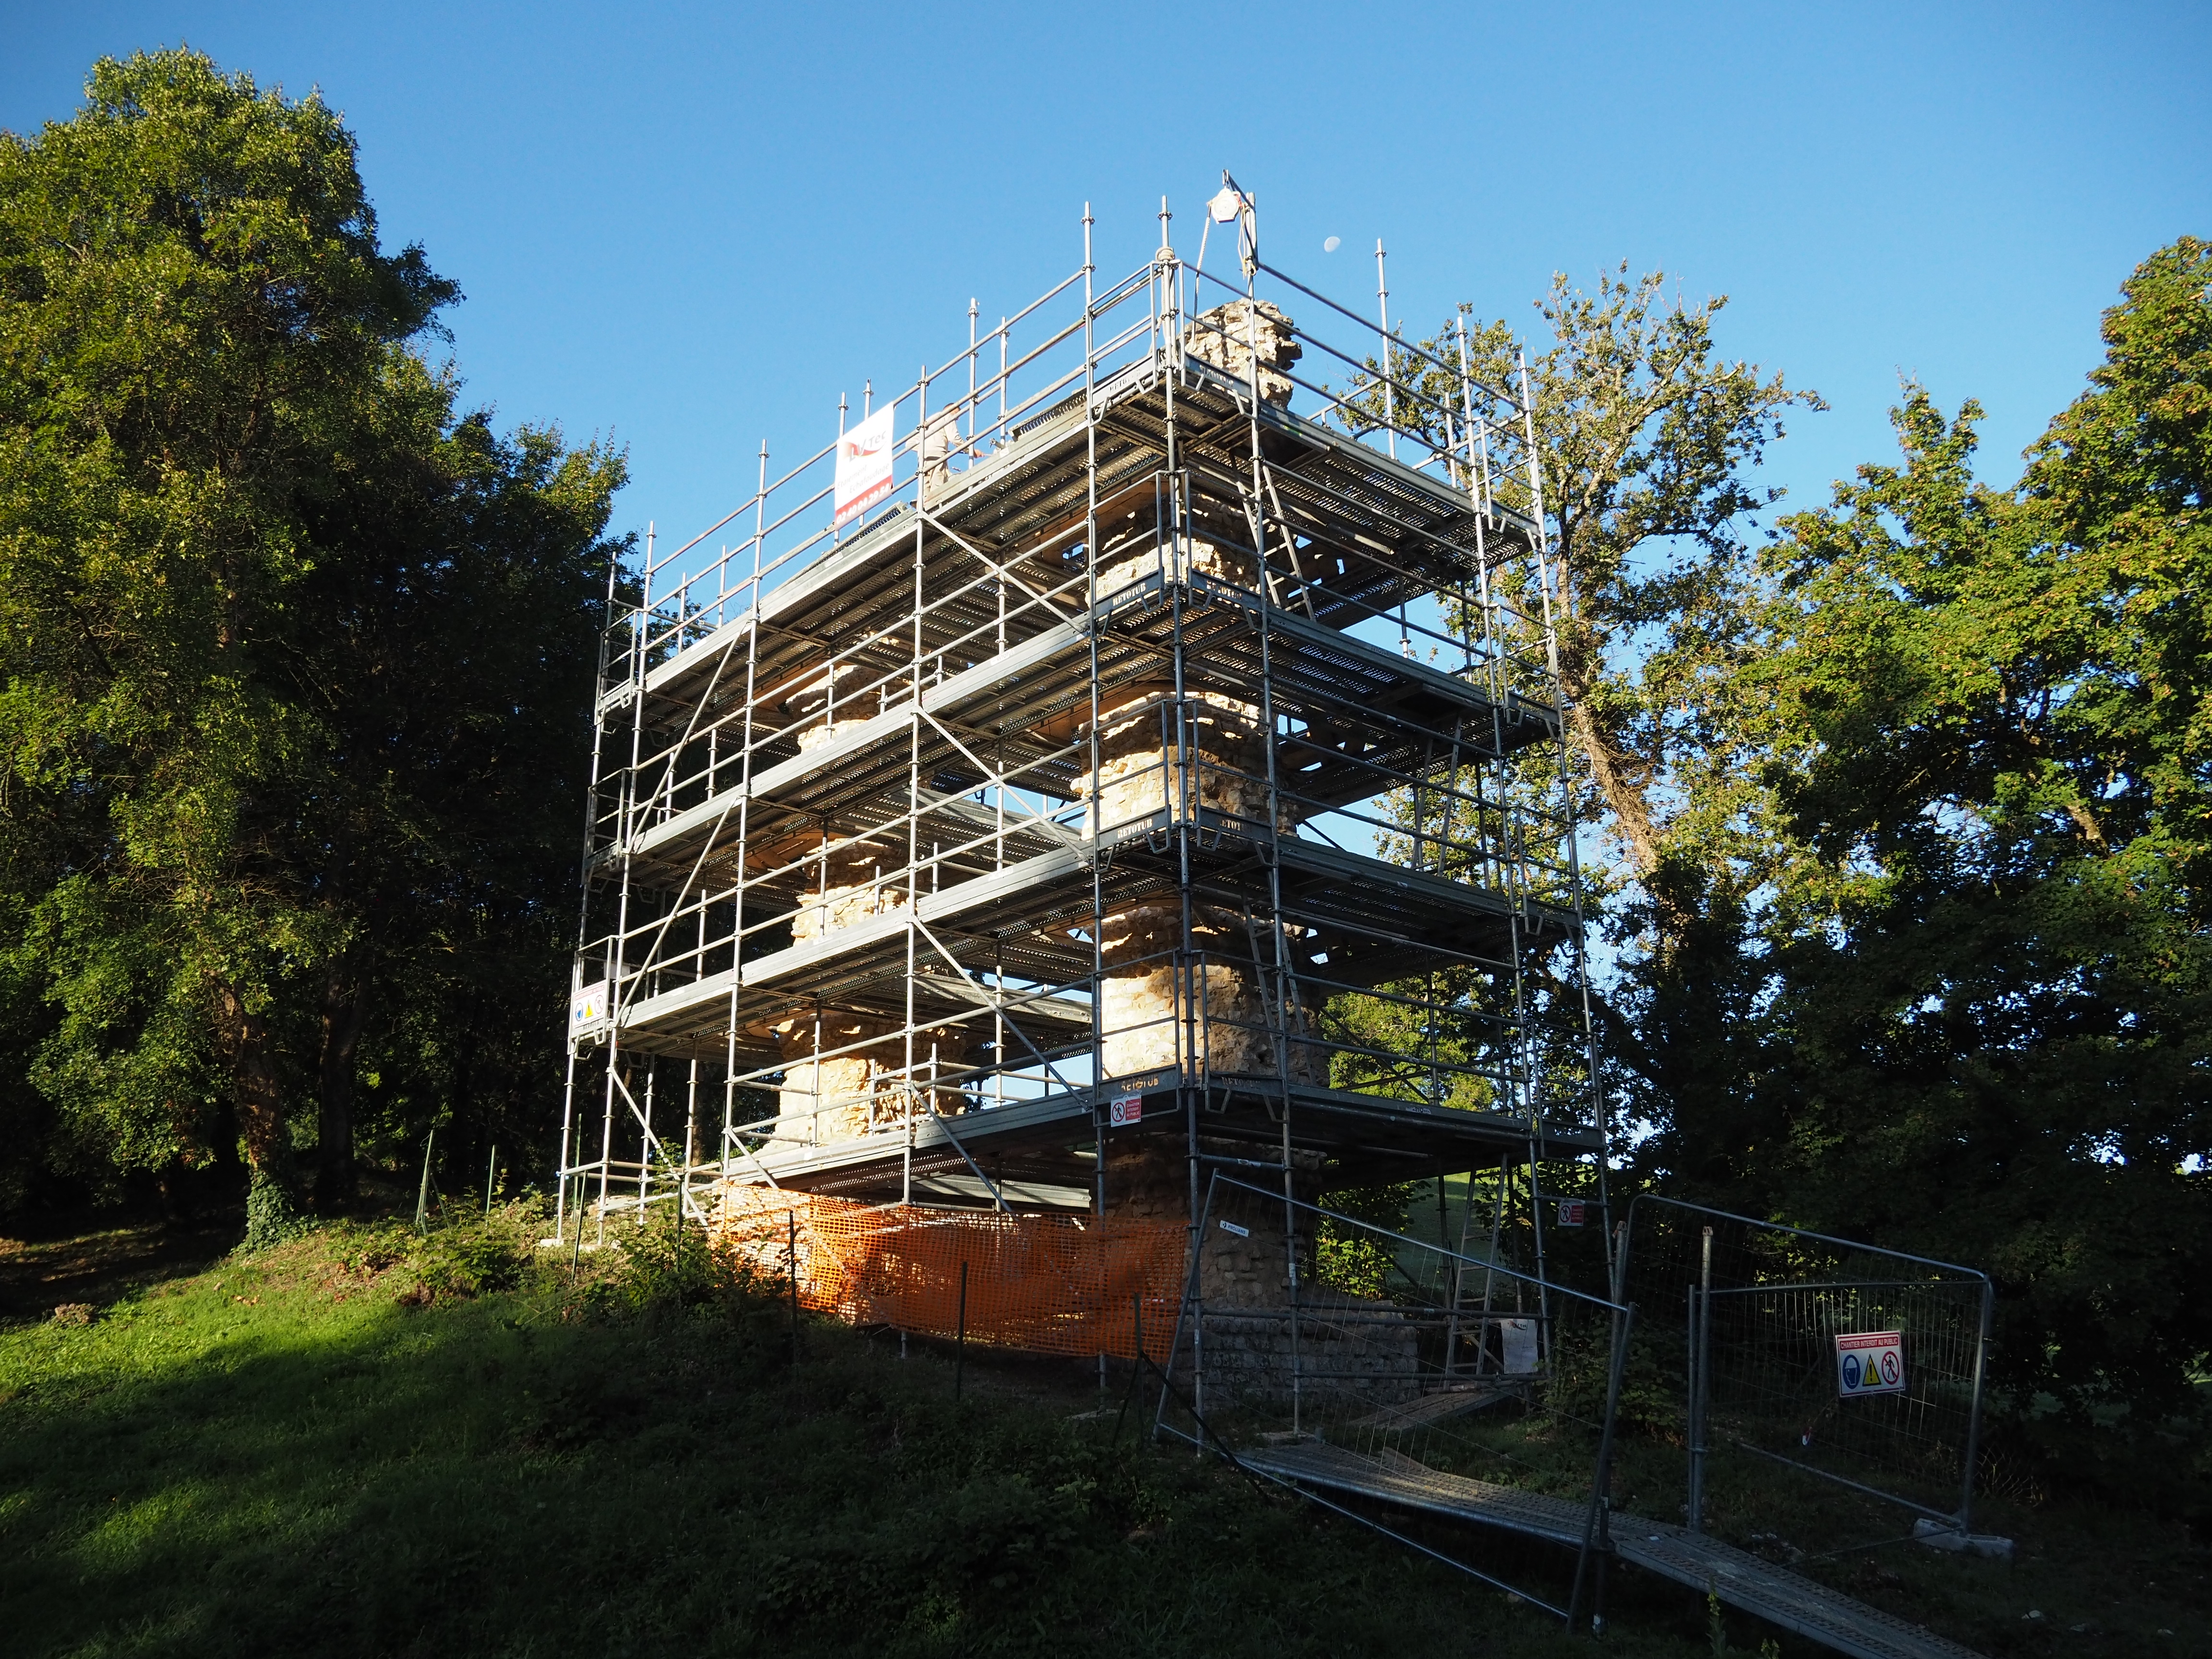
column 1691, row 1559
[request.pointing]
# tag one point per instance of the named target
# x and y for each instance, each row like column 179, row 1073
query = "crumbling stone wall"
column 1230, row 336
column 826, row 1096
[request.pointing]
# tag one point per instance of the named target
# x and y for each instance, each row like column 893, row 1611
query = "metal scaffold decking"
column 1693, row 1560
column 1168, row 764
column 1123, row 757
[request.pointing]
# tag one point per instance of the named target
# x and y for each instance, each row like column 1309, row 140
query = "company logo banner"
column 864, row 465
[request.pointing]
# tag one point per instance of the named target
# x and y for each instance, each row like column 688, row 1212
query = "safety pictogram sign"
column 1870, row 1362
column 587, row 1009
column 1124, row 1108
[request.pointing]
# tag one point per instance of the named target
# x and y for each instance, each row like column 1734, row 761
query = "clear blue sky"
column 693, row 226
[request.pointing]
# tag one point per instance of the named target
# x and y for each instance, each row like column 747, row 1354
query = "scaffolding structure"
column 1165, row 777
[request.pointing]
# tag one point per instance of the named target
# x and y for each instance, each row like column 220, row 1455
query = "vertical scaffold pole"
column 1389, row 392
column 1098, row 1095
column 571, row 1131
column 625, row 830
column 1701, row 1328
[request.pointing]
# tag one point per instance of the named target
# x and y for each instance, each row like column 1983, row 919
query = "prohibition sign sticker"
column 1870, row 1362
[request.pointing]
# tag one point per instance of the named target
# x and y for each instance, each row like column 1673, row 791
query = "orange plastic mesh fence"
column 1046, row 1284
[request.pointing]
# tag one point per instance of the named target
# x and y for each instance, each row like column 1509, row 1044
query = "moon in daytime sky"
column 1332, row 245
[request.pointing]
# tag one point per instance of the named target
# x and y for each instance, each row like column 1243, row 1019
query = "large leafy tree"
column 289, row 646
column 1648, row 441
column 1985, row 948
column 1912, row 813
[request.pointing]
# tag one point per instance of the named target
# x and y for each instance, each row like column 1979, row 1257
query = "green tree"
column 240, row 523
column 1648, row 439
column 1986, row 951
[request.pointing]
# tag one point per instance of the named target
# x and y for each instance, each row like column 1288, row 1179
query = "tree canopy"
column 296, row 654
column 1908, row 807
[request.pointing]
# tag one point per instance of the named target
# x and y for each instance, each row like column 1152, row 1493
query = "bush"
column 665, row 1265
column 272, row 1213
column 477, row 1257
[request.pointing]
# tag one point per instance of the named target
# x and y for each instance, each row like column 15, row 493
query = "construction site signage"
column 1517, row 1338
column 864, row 465
column 1124, row 1108
column 1871, row 1361
column 587, row 1008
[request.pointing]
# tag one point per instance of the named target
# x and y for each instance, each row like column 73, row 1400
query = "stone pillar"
column 845, row 1096
column 1158, row 1008
column 1231, row 335
column 1216, row 1017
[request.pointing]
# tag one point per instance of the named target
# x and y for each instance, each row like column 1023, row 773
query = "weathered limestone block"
column 1142, row 772
column 1159, row 1009
column 1230, row 336
column 842, row 1096
column 1215, row 541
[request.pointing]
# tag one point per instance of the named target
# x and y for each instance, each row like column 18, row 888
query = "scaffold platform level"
column 1023, row 707
column 1046, row 1143
column 1365, row 916
column 1382, row 533
column 1694, row 1560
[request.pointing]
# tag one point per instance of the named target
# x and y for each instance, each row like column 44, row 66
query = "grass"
column 360, row 1443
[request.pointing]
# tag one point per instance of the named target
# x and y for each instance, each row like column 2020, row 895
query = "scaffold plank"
column 1695, row 1560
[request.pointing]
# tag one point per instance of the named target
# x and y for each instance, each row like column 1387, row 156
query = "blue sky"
column 694, row 227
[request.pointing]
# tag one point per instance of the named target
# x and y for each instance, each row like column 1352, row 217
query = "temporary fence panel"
column 1860, row 1365
column 1366, row 1367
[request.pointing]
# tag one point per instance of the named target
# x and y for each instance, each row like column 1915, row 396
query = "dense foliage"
column 1979, row 976
column 296, row 658
column 1904, row 818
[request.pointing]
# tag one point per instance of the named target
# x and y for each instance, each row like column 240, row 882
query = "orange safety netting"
column 1047, row 1284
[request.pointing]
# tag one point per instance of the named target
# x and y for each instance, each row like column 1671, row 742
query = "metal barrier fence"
column 1859, row 1365
column 1365, row 1367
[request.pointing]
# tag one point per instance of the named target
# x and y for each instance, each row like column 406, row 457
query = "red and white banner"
column 864, row 465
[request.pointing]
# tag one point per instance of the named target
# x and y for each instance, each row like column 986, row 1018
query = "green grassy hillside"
column 364, row 1443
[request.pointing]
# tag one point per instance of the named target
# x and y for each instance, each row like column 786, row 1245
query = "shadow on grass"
column 236, row 1467
column 97, row 1265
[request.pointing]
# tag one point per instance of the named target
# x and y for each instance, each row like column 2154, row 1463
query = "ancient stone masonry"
column 1004, row 840
column 1236, row 336
column 849, row 1074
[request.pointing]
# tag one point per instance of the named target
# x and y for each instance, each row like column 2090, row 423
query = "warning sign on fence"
column 1871, row 1361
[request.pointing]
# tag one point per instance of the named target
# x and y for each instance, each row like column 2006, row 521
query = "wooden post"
column 422, row 1193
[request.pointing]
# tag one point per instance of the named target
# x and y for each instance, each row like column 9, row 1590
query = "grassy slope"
column 282, row 1455
column 294, row 1453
